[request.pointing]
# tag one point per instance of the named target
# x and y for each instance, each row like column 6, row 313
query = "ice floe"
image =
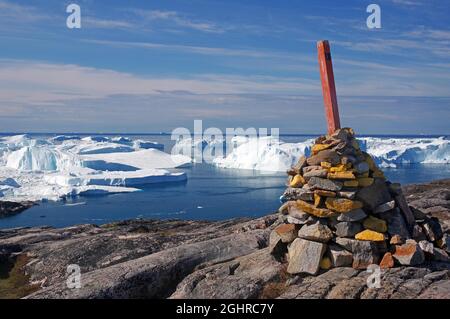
column 64, row 166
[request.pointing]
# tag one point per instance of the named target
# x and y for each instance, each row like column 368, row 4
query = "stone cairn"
column 339, row 211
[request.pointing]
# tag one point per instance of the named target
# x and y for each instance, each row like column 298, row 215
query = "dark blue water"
column 210, row 193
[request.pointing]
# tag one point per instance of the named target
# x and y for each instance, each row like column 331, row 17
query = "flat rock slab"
column 305, row 256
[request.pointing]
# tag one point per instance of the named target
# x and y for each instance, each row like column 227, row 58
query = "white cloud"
column 179, row 20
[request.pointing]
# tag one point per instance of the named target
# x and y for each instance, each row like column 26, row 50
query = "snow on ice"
column 62, row 166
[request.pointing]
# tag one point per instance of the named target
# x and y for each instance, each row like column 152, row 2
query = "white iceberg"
column 64, row 166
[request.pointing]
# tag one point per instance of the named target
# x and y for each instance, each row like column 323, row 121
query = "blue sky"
column 150, row 66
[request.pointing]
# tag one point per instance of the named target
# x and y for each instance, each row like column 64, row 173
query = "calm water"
column 209, row 193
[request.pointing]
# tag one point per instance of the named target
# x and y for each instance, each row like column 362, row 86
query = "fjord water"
column 210, row 193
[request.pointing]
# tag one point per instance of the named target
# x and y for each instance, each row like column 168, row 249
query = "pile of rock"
column 340, row 211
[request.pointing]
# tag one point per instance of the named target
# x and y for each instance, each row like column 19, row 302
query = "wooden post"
column 328, row 86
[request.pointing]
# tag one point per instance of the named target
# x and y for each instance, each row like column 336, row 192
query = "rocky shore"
column 196, row 259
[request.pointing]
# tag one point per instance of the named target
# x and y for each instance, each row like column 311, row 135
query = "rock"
column 13, row 208
column 342, row 205
column 296, row 221
column 287, row 232
column 348, row 229
column 316, row 232
column 365, row 253
column 426, row 247
column 305, row 256
column 311, row 209
column 351, row 183
column 318, row 201
column 375, row 224
column 300, row 164
column 374, row 195
column 297, row 181
column 352, row 216
column 385, row 207
column 316, row 173
column 365, row 181
column 395, row 189
column 329, row 156
column 346, row 194
column 308, row 169
column 325, row 184
column 418, row 214
column 276, row 245
column 418, row 234
column 298, row 193
column 324, row 193
column 325, row 263
column 361, row 167
column 396, row 224
column 397, row 240
column 432, row 229
column 340, row 257
column 341, row 175
column 409, row 254
column 320, row 147
column 440, row 255
column 406, row 211
column 369, row 235
column 387, row 261
column 326, row 165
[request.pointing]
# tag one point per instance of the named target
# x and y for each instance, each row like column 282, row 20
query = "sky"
column 153, row 66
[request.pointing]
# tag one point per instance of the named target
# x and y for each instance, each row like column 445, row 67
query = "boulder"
column 329, row 156
column 409, row 254
column 374, row 195
column 385, row 207
column 348, row 229
column 276, row 245
column 305, row 256
column 365, row 253
column 298, row 193
column 375, row 224
column 325, row 184
column 287, row 232
column 316, row 173
column 342, row 205
column 432, row 229
column 340, row 257
column 300, row 164
column 352, row 216
column 297, row 181
column 316, row 232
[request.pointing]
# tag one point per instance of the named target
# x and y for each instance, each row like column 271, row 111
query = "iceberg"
column 65, row 166
column 264, row 154
column 393, row 151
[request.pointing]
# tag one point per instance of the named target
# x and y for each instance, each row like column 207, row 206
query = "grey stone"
column 296, row 221
column 396, row 223
column 365, row 253
column 329, row 156
column 316, row 173
column 300, row 164
column 308, row 169
column 305, row 256
column 325, row 184
column 340, row 257
column 400, row 200
column 316, row 232
column 374, row 195
column 348, row 229
column 362, row 167
column 276, row 245
column 440, row 255
column 385, row 207
column 352, row 216
column 292, row 194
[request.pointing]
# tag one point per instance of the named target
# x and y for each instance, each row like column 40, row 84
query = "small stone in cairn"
column 339, row 210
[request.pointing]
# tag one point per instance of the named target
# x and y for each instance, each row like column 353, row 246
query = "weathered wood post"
column 328, row 86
